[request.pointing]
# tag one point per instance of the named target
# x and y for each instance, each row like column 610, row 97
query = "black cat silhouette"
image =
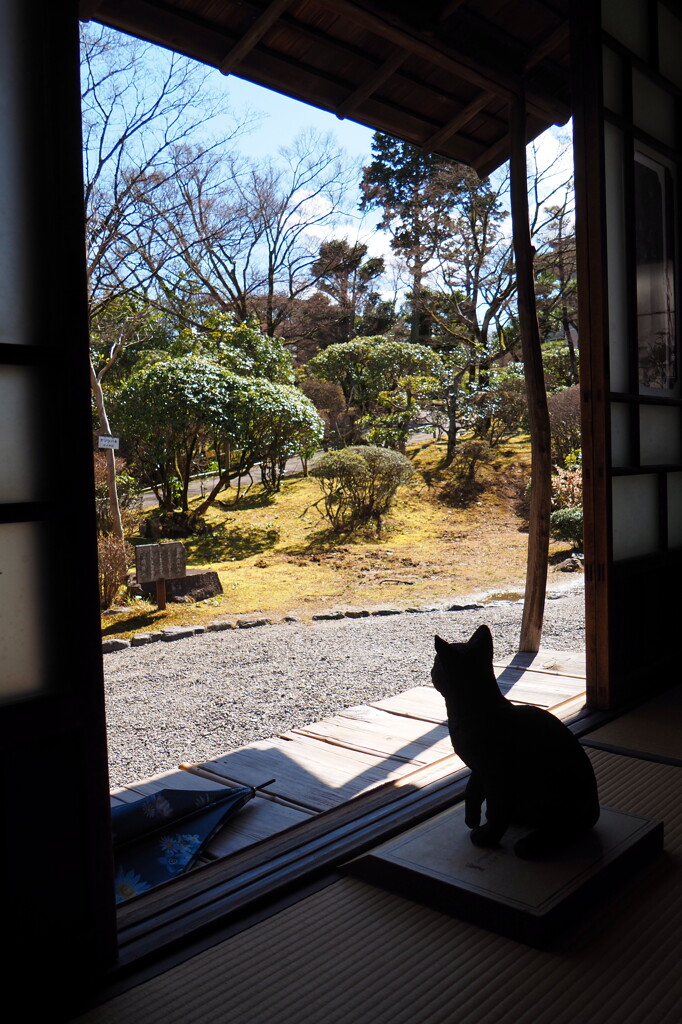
column 526, row 764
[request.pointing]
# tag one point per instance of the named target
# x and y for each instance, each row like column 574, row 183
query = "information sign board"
column 160, row 562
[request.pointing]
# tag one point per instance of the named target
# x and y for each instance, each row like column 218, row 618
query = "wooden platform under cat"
column 435, row 863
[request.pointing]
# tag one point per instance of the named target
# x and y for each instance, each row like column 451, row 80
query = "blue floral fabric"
column 159, row 836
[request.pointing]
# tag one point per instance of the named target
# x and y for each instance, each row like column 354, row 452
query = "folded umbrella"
column 161, row 835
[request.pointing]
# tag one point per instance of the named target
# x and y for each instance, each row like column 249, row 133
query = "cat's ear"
column 483, row 640
column 442, row 647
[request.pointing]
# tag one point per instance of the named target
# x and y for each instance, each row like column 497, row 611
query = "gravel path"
column 196, row 698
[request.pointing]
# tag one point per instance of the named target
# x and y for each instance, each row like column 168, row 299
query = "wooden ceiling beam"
column 449, row 10
column 504, row 85
column 491, row 157
column 370, row 85
column 459, row 122
column 550, row 43
column 87, row 9
column 253, row 36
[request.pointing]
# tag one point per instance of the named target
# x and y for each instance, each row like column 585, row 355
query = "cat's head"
column 463, row 672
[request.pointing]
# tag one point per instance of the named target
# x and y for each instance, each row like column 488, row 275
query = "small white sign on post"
column 107, row 441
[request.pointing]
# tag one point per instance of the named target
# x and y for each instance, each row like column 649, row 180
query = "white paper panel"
column 13, row 283
column 620, row 435
column 21, row 627
column 19, row 460
column 660, row 435
column 653, row 109
column 626, row 20
column 618, row 335
column 613, row 81
column 675, row 510
column 670, row 44
column 635, row 515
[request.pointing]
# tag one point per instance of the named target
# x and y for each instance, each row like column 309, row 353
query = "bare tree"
column 556, row 283
column 245, row 235
column 139, row 109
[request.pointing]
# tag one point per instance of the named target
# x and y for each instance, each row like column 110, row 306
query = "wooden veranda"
column 391, row 745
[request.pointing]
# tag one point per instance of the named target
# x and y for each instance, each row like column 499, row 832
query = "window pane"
column 635, row 516
column 22, row 629
column 13, row 278
column 655, row 281
column 620, row 435
column 660, row 435
column 653, row 110
column 675, row 510
column 626, row 20
column 19, row 407
column 613, row 80
column 670, row 44
column 618, row 328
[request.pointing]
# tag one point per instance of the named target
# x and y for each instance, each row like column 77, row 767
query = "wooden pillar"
column 538, row 415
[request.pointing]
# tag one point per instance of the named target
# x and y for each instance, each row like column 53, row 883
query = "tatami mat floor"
column 351, row 953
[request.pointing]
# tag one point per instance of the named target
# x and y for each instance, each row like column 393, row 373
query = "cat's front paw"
column 485, row 836
column 472, row 819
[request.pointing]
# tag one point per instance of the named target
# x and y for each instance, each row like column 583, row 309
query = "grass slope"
column 275, row 554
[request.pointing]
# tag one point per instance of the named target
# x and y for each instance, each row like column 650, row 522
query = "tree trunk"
column 416, row 312
column 565, row 319
column 110, row 456
column 451, row 411
column 538, row 415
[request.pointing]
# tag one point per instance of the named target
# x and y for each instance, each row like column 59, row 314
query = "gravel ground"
column 196, row 698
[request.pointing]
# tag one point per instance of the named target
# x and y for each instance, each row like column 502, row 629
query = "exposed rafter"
column 459, row 122
column 381, row 75
column 253, row 36
column 552, row 41
column 439, row 79
column 502, row 84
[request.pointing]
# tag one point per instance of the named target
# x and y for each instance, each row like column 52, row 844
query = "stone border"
column 218, row 625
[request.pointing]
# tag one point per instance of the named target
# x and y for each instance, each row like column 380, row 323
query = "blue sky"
column 285, row 118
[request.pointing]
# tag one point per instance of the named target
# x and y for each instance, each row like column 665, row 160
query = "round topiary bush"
column 567, row 524
column 359, row 484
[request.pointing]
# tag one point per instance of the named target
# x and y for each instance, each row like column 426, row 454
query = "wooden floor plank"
column 325, row 764
column 259, row 819
column 512, row 679
column 310, row 773
column 384, row 735
column 421, row 702
column 570, row 663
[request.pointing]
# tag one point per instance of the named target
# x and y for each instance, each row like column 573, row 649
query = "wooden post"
column 538, row 414
column 161, row 594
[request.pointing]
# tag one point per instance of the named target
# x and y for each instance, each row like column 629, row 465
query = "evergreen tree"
column 344, row 273
column 416, row 192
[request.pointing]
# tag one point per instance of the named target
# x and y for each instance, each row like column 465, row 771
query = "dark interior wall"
column 628, row 95
column 58, row 911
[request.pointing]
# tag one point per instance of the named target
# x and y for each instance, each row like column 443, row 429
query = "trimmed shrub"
column 359, row 485
column 567, row 524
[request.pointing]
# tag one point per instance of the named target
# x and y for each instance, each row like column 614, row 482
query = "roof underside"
column 437, row 73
